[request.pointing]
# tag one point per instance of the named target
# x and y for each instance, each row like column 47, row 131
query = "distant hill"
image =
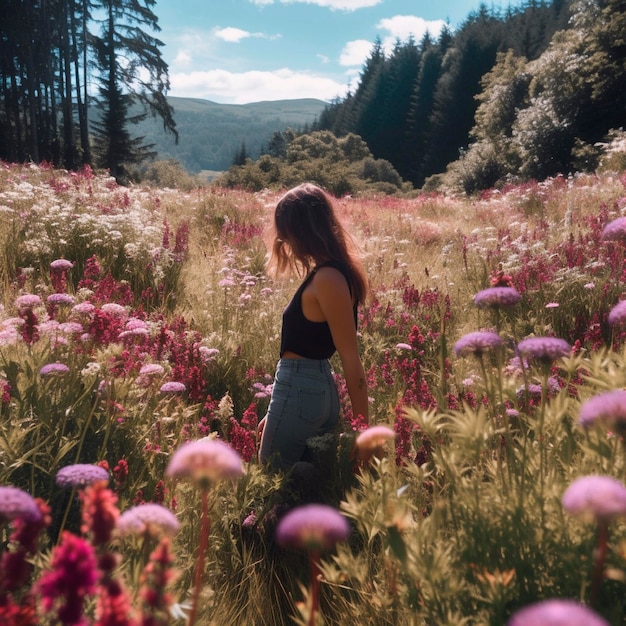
column 210, row 134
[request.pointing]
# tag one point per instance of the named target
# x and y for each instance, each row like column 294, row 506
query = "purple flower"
column 80, row 474
column 496, row 297
column 617, row 314
column 172, row 387
column 544, row 349
column 615, row 230
column 54, row 369
column 60, row 298
column 17, row 504
column 608, row 408
column 477, row 343
column 556, row 613
column 61, row 265
column 84, row 307
column 595, row 497
column 205, row 460
column 148, row 519
column 312, row 527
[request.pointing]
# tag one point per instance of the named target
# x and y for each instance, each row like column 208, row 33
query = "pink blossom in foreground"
column 205, row 460
column 595, row 497
column 312, row 527
column 556, row 613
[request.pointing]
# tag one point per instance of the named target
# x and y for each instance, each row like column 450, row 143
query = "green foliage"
column 341, row 165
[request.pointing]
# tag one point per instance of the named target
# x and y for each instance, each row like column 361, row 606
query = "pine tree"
column 142, row 79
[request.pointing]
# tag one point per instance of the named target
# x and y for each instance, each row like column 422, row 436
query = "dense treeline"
column 528, row 92
column 415, row 107
column 57, row 57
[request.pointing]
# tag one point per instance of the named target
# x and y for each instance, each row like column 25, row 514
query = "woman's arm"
column 330, row 289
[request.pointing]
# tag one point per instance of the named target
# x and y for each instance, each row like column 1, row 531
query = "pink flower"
column 172, row 387
column 617, row 314
column 312, row 527
column 54, row 369
column 27, row 301
column 615, row 230
column 205, row 460
column 595, row 497
column 371, row 440
column 61, row 265
column 477, row 343
column 148, row 519
column 556, row 613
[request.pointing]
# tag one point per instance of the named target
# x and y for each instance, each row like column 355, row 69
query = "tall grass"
column 462, row 521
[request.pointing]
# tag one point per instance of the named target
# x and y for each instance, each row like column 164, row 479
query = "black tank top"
column 312, row 340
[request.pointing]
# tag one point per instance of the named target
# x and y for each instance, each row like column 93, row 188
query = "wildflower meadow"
column 138, row 339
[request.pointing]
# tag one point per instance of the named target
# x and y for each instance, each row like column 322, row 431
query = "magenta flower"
column 615, row 230
column 54, row 369
column 608, row 408
column 205, row 460
column 148, row 519
column 497, row 297
column 595, row 497
column 556, row 613
column 70, row 580
column 80, row 474
column 477, row 343
column 312, row 527
column 61, row 265
column 617, row 315
column 17, row 504
column 544, row 349
column 172, row 387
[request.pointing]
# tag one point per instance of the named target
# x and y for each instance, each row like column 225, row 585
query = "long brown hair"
column 308, row 233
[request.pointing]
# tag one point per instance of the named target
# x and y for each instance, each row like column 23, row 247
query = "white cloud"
column 254, row 86
column 403, row 26
column 232, row 35
column 355, row 52
column 338, row 5
column 235, row 35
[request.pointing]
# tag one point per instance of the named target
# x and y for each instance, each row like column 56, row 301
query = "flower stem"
column 598, row 564
column 205, row 528
column 315, row 586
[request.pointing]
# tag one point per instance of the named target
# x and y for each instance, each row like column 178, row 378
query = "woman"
column 319, row 320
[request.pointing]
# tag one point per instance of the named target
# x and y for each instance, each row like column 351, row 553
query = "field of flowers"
column 138, row 338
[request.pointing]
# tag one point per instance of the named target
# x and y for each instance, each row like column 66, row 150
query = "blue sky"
column 239, row 51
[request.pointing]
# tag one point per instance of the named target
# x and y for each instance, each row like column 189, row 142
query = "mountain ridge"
column 211, row 133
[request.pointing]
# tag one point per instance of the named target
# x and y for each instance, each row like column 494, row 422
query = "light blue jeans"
column 304, row 404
